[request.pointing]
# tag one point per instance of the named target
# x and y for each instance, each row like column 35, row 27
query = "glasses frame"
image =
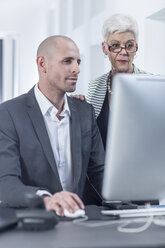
column 121, row 47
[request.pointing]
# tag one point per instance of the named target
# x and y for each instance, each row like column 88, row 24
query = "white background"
column 28, row 22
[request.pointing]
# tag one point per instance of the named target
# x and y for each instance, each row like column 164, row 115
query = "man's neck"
column 56, row 98
column 58, row 102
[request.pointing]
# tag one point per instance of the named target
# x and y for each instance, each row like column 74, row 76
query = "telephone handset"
column 36, row 217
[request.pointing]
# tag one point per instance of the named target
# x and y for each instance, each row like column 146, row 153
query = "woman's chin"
column 122, row 69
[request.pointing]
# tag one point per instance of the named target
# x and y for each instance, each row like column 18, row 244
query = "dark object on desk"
column 36, row 217
column 34, row 201
column 119, row 205
column 8, row 219
column 142, row 203
column 93, row 212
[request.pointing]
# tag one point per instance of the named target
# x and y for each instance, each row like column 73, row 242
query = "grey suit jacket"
column 26, row 158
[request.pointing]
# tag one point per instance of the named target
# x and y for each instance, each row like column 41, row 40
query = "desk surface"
column 71, row 235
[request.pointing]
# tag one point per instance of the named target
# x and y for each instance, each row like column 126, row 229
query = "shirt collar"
column 46, row 106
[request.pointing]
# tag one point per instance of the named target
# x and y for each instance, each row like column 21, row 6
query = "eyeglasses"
column 116, row 48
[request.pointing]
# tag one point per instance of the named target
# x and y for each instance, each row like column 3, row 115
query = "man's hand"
column 63, row 200
column 79, row 97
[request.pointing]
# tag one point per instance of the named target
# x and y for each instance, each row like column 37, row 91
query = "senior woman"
column 120, row 34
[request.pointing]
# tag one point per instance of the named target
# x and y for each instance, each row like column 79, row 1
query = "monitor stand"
column 118, row 205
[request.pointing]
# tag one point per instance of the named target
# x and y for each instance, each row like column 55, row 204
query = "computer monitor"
column 135, row 151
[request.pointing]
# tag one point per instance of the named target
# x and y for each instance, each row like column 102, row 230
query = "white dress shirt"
column 59, row 135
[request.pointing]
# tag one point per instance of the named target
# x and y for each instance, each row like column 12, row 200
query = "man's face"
column 123, row 60
column 62, row 67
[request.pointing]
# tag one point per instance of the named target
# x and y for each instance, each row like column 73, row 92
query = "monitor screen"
column 135, row 153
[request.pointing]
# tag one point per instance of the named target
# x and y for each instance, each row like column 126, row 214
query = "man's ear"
column 41, row 64
column 136, row 47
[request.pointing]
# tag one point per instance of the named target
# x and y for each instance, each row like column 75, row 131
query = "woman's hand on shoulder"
column 79, row 97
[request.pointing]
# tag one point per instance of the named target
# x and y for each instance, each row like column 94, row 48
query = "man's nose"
column 76, row 68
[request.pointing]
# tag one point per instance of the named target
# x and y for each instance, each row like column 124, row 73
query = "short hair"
column 119, row 23
column 46, row 45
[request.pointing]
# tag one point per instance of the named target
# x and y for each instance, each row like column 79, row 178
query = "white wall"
column 155, row 43
column 141, row 10
column 28, row 20
column 33, row 20
column 91, row 15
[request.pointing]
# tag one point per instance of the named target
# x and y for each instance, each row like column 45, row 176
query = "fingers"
column 79, row 97
column 52, row 204
column 63, row 200
column 78, row 201
column 82, row 98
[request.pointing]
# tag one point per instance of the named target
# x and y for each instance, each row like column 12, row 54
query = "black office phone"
column 35, row 217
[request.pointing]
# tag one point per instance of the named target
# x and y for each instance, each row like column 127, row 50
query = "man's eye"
column 78, row 62
column 67, row 61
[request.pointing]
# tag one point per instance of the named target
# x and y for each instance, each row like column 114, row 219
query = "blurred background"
column 25, row 23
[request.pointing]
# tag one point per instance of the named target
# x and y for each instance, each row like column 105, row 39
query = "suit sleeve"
column 12, row 189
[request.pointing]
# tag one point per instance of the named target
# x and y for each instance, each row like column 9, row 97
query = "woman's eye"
column 129, row 45
column 114, row 46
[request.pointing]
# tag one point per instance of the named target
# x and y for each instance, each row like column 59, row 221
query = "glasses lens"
column 130, row 47
column 115, row 48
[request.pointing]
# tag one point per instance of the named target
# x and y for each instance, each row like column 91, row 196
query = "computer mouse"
column 77, row 213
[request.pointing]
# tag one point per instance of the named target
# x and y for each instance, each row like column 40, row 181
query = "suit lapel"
column 40, row 129
column 75, row 134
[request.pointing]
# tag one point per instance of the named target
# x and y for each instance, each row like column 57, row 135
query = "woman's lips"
column 122, row 61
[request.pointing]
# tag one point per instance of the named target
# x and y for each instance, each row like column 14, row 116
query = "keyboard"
column 140, row 212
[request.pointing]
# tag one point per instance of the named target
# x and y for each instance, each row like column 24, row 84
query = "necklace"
column 109, row 82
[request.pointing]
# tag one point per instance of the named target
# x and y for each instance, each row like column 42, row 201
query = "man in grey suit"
column 49, row 142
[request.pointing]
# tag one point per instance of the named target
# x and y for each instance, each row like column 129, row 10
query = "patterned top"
column 97, row 90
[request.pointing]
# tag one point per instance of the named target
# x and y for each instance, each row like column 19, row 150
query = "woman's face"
column 121, row 61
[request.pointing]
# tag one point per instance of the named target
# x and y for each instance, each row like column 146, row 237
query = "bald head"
column 50, row 44
column 58, row 60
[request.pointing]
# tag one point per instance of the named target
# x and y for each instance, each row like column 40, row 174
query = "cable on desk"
column 82, row 219
column 93, row 223
column 147, row 222
column 160, row 221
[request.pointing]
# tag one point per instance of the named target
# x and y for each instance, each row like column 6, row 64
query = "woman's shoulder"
column 99, row 81
column 100, row 78
column 139, row 71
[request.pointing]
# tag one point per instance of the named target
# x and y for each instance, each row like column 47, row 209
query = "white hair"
column 119, row 23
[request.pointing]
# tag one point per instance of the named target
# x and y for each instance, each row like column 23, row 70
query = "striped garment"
column 97, row 90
